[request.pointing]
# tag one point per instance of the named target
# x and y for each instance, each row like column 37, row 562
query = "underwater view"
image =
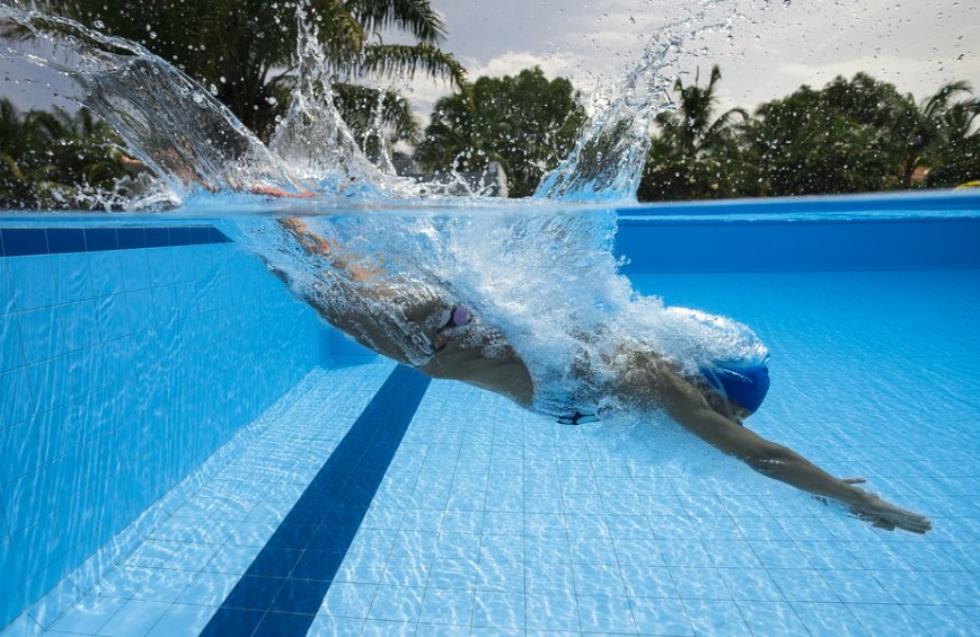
column 277, row 359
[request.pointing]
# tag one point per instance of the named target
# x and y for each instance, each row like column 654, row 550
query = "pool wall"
column 123, row 368
column 761, row 246
column 894, row 232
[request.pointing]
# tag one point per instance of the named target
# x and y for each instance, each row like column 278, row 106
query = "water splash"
column 606, row 163
column 166, row 119
column 313, row 138
column 558, row 298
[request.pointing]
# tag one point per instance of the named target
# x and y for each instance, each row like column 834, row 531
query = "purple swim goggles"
column 458, row 317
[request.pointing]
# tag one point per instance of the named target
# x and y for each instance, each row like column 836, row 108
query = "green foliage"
column 362, row 111
column 526, row 122
column 695, row 157
column 53, row 159
column 854, row 135
column 808, row 144
column 244, row 50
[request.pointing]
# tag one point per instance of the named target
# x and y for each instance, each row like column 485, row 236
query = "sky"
column 772, row 49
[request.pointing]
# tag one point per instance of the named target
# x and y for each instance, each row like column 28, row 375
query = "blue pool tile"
column 156, row 237
column 216, row 236
column 446, row 606
column 328, row 626
column 179, row 236
column 857, row 586
column 275, row 562
column 803, row 585
column 886, row 619
column 232, row 560
column 41, row 284
column 318, row 565
column 24, row 241
column 99, row 239
column 750, row 584
column 182, row 620
column 960, row 588
column 294, row 536
column 772, row 618
column 61, row 240
column 945, row 620
column 598, row 579
column 208, row 589
column 661, row 617
column 254, row 592
column 201, row 234
column 716, row 618
column 406, row 570
column 699, row 583
column 504, row 611
column 300, row 596
column 135, row 617
column 16, row 401
column 552, row 611
column 130, row 238
column 377, row 432
column 382, row 628
column 276, row 624
column 397, row 603
column 233, row 621
column 778, row 554
column 827, row 620
column 88, row 615
column 605, row 614
column 349, row 600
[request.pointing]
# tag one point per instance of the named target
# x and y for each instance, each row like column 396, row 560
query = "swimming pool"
column 191, row 450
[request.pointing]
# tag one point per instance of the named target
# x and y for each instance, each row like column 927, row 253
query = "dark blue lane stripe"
column 282, row 590
column 18, row 242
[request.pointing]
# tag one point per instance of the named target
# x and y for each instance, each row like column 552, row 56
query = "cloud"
column 512, row 62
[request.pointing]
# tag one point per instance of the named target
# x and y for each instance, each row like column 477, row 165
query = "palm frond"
column 941, row 98
column 393, row 59
column 340, row 30
column 415, row 16
column 358, row 106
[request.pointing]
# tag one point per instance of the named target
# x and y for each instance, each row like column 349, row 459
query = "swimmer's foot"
column 885, row 515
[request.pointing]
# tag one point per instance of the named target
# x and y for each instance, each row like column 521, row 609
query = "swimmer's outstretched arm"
column 685, row 404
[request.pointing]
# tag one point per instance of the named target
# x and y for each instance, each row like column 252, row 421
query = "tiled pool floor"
column 518, row 525
column 493, row 521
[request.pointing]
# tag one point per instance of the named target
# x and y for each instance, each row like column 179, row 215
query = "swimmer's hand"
column 884, row 515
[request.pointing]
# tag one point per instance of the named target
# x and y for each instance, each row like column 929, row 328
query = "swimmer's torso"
column 467, row 359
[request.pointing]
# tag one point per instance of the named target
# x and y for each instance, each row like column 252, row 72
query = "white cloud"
column 773, row 49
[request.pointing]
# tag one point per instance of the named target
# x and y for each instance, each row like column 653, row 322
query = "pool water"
column 368, row 500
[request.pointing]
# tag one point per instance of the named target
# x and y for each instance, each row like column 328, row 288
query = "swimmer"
column 422, row 326
column 134, row 166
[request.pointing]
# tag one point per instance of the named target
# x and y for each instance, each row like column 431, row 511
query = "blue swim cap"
column 745, row 384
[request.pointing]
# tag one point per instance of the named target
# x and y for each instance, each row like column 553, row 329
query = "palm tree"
column 245, row 50
column 53, row 158
column 690, row 127
column 685, row 160
column 940, row 125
